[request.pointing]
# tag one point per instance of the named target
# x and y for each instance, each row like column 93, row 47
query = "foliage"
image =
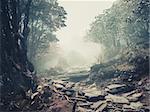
column 46, row 17
column 125, row 24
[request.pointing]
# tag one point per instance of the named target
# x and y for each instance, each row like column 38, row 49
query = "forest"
column 107, row 72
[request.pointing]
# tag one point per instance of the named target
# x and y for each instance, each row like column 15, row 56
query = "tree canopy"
column 46, row 18
column 125, row 24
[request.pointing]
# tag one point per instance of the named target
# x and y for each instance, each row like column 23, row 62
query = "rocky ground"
column 63, row 96
column 120, row 85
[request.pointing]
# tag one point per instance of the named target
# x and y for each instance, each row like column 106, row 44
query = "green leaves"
column 46, row 17
column 126, row 22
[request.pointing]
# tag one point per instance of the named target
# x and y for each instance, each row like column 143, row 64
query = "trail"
column 72, row 77
column 80, row 97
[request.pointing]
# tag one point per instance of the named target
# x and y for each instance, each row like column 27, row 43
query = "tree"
column 17, row 73
column 47, row 17
column 125, row 24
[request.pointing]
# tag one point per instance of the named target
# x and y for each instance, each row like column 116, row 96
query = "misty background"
column 74, row 51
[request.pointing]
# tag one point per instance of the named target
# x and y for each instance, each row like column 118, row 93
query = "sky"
column 80, row 14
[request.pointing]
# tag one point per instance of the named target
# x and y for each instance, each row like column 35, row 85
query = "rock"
column 101, row 107
column 81, row 93
column 135, row 96
column 60, row 106
column 94, row 98
column 94, row 95
column 69, row 85
column 34, row 95
column 81, row 109
column 92, row 90
column 47, row 94
column 92, row 86
column 133, row 105
column 39, row 88
column 118, row 88
column 60, row 82
column 78, row 99
column 140, row 83
column 117, row 99
column 125, row 106
column 112, row 86
column 58, row 86
column 85, row 105
column 97, row 104
column 50, row 82
column 129, row 93
column 70, row 92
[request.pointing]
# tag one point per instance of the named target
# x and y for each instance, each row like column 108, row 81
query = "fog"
column 75, row 50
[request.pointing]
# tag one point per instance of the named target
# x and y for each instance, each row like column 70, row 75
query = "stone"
column 129, row 93
column 93, row 94
column 69, row 85
column 60, row 106
column 118, row 88
column 39, row 88
column 101, row 107
column 81, row 109
column 117, row 99
column 97, row 104
column 58, row 86
column 92, row 86
column 85, row 105
column 125, row 106
column 135, row 97
column 133, row 105
column 58, row 81
column 81, row 93
column 68, row 92
column 92, row 91
column 78, row 99
column 34, row 95
column 94, row 98
column 112, row 86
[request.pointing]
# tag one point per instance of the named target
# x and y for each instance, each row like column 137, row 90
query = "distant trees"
column 46, row 17
column 125, row 24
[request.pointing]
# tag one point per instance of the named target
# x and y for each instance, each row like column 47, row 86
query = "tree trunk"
column 17, row 73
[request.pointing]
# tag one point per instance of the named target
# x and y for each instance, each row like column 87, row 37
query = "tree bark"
column 17, row 73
